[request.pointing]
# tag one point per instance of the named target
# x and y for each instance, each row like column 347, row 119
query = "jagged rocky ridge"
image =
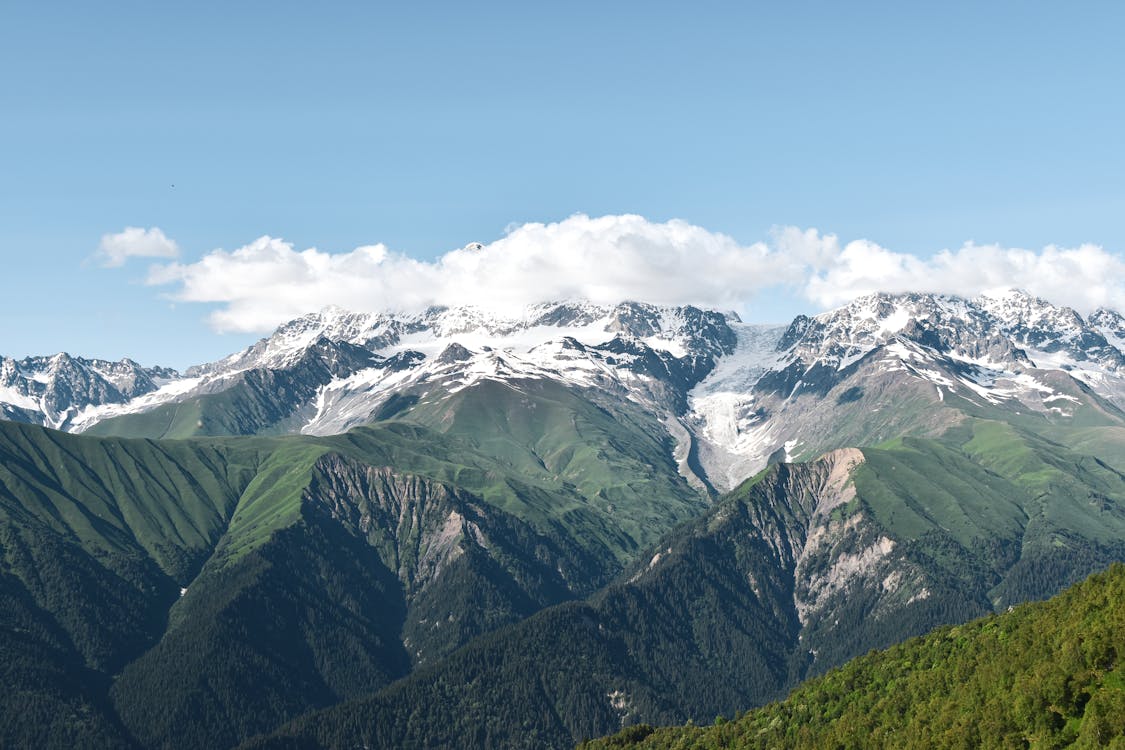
column 51, row 390
column 332, row 370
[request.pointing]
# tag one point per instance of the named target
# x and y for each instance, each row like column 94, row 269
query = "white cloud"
column 613, row 258
column 806, row 246
column 605, row 259
column 135, row 242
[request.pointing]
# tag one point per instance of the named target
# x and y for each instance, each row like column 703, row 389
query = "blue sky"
column 425, row 126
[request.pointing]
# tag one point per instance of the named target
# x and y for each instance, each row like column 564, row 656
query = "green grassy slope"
column 1044, row 675
column 170, row 500
column 549, row 454
column 537, row 449
column 369, row 581
column 313, row 617
column 1029, row 515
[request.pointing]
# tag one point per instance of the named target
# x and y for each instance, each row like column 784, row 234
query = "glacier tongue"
column 736, row 441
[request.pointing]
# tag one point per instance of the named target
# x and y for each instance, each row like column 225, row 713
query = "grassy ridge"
column 171, row 500
column 548, row 454
column 984, row 479
column 537, row 449
column 271, row 501
column 1043, row 675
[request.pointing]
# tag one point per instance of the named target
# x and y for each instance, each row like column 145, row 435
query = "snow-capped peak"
column 680, row 330
column 337, row 351
column 52, row 389
column 1014, row 307
column 1031, row 326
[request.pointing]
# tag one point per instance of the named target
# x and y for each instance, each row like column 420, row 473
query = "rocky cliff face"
column 464, row 567
column 814, row 554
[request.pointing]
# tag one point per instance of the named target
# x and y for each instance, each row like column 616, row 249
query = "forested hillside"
column 1043, row 675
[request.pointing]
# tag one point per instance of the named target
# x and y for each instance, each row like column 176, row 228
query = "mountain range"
column 731, row 394
column 456, row 528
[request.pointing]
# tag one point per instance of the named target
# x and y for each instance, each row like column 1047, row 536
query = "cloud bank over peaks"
column 609, row 259
column 1085, row 277
column 606, row 259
